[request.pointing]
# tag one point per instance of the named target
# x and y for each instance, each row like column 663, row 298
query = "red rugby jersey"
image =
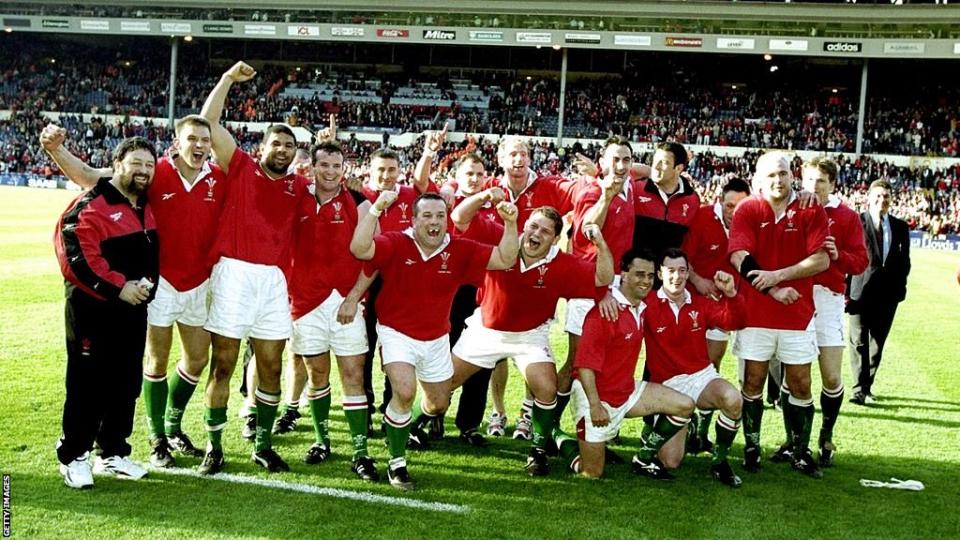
column 417, row 293
column 540, row 191
column 847, row 231
column 659, row 224
column 617, row 228
column 399, row 216
column 322, row 260
column 676, row 342
column 706, row 243
column 611, row 349
column 258, row 218
column 777, row 244
column 187, row 221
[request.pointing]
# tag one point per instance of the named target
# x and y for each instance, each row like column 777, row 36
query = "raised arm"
column 505, row 254
column 432, row 144
column 223, row 144
column 362, row 245
column 609, row 188
column 463, row 214
column 604, row 273
column 51, row 139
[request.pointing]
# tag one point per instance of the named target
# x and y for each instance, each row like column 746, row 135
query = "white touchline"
column 316, row 490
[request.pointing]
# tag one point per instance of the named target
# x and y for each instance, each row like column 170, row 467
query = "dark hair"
column 429, row 196
column 678, row 151
column 736, row 184
column 672, row 253
column 551, row 213
column 191, row 120
column 328, row 147
column 615, row 140
column 883, row 184
column 132, row 144
column 279, row 128
column 643, row 254
column 470, row 157
column 385, row 153
column 825, row 165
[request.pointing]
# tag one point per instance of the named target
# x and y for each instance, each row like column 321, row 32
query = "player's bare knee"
column 732, row 403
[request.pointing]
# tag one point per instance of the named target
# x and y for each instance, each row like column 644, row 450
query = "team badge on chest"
column 210, row 183
column 403, row 212
column 543, row 273
column 337, row 216
column 529, row 197
column 444, row 263
column 694, row 315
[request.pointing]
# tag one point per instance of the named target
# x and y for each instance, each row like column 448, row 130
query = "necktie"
column 879, row 236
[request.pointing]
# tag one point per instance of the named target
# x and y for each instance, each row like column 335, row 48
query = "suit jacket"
column 883, row 282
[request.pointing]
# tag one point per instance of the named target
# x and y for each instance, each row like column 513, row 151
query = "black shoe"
column 827, row 452
column 751, row 459
column 858, row 398
column 365, row 469
column 784, row 454
column 724, row 473
column 609, row 456
column 212, row 462
column 538, row 464
column 473, row 438
column 418, row 440
column 651, row 469
column 179, row 442
column 287, row 422
column 435, row 428
column 269, row 460
column 317, row 453
column 399, row 477
column 160, row 453
column 250, row 427
column 692, row 442
column 805, row 463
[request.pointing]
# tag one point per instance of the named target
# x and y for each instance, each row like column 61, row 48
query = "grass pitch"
column 912, row 432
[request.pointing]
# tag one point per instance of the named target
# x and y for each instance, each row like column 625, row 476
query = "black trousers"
column 868, row 335
column 473, row 393
column 105, row 343
column 370, row 321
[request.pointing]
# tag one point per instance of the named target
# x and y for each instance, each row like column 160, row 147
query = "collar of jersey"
column 424, row 256
column 505, row 184
column 687, row 298
column 718, row 211
column 776, row 218
column 550, row 256
column 313, row 191
column 832, row 202
column 622, row 300
column 205, row 171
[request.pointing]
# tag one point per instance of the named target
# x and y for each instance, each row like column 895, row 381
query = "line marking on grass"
column 317, row 490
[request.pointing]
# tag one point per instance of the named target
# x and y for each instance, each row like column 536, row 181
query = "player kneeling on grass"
column 604, row 390
column 422, row 268
column 675, row 324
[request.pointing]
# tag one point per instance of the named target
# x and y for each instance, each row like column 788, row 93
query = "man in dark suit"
column 875, row 293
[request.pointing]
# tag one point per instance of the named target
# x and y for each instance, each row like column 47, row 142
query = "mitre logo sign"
column 440, row 35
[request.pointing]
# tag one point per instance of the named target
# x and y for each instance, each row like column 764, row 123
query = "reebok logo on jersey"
column 116, row 216
column 643, row 199
column 628, row 336
column 167, row 196
column 714, row 247
column 661, row 329
column 409, row 262
column 763, row 224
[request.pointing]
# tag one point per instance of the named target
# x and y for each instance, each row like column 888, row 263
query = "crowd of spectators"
column 927, row 198
column 679, row 103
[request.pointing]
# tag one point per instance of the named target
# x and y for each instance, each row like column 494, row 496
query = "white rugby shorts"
column 577, row 309
column 484, row 347
column 431, row 359
column 796, row 347
column 319, row 332
column 249, row 300
column 829, row 317
column 588, row 432
column 170, row 305
column 693, row 384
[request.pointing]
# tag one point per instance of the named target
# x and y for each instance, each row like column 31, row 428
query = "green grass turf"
column 911, row 433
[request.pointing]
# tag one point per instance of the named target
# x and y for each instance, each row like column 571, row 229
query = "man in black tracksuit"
column 106, row 245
